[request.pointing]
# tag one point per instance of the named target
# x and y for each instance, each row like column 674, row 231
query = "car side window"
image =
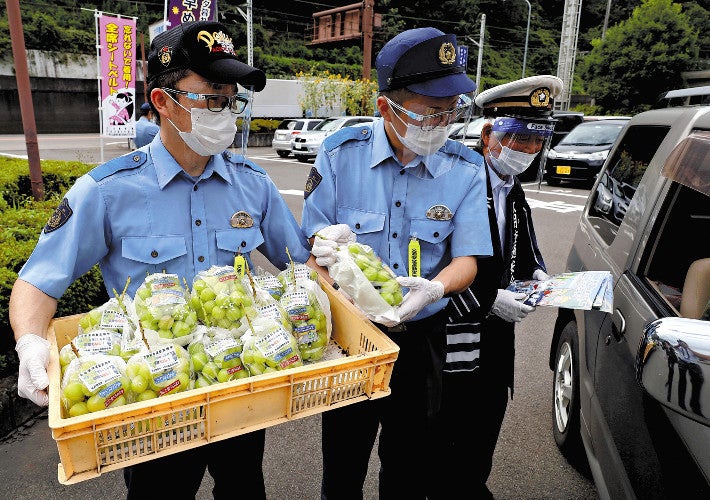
column 676, row 263
column 621, row 177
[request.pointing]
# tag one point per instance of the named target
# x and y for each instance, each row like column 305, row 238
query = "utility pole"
column 480, row 53
column 27, row 110
column 368, row 13
column 250, row 31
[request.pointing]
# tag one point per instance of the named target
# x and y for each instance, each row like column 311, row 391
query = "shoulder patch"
column 312, row 182
column 353, row 133
column 59, row 217
column 236, row 159
column 125, row 162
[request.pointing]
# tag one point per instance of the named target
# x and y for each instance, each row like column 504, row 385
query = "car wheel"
column 565, row 397
column 283, row 154
column 301, row 158
column 551, row 181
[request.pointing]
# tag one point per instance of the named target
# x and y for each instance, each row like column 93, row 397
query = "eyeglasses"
column 430, row 121
column 216, row 102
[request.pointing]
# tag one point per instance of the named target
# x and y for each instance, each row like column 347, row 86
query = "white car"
column 306, row 144
column 287, row 130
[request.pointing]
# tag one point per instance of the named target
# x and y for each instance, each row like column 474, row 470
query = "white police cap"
column 528, row 97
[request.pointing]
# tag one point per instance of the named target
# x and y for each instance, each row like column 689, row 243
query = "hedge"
column 21, row 221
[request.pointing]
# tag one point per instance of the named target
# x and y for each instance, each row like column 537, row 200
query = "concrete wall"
column 65, row 93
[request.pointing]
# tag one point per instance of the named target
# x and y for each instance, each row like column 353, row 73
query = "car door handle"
column 618, row 324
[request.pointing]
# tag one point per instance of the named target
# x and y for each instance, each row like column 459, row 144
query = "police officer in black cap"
column 394, row 183
column 480, row 335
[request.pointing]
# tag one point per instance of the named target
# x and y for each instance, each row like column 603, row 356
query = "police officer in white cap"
column 479, row 363
column 392, row 183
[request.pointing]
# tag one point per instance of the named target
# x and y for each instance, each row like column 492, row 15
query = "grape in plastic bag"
column 160, row 372
column 219, row 298
column 161, row 305
column 216, row 358
column 310, row 326
column 266, row 281
column 94, row 382
column 268, row 347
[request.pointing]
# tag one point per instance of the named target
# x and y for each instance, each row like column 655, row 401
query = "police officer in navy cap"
column 394, row 183
column 179, row 205
column 478, row 373
column 146, row 130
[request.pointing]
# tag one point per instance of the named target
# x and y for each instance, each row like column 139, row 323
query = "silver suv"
column 628, row 393
column 287, row 130
column 305, row 146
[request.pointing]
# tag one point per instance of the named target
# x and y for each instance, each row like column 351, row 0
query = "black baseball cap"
column 205, row 48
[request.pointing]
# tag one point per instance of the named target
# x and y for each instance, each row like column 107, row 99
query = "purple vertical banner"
column 117, row 39
column 182, row 11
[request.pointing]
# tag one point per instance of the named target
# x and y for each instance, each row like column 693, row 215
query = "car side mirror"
column 673, row 363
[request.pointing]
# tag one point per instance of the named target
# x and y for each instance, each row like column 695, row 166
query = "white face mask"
column 211, row 132
column 419, row 141
column 510, row 161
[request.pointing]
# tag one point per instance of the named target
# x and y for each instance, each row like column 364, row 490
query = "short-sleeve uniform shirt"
column 142, row 213
column 438, row 199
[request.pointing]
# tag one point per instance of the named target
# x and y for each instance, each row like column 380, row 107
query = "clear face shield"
column 244, row 123
column 515, row 144
column 428, row 131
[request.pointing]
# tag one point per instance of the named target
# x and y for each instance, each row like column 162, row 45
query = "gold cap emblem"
column 540, row 98
column 241, row 219
column 447, row 54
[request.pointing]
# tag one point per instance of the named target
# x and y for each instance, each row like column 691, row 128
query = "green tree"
column 640, row 57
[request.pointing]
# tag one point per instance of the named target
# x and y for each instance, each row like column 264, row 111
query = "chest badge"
column 241, row 219
column 439, row 212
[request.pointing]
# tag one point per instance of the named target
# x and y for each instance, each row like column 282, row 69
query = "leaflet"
column 582, row 290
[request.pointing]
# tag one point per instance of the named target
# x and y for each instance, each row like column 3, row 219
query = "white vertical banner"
column 117, row 63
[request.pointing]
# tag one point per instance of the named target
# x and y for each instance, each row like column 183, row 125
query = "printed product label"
column 102, row 373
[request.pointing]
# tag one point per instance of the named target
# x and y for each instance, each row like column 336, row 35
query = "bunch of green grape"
column 295, row 273
column 267, row 281
column 216, row 359
column 268, row 347
column 161, row 305
column 111, row 316
column 93, row 383
column 378, row 274
column 94, row 342
column 219, row 298
column 308, row 320
column 160, row 372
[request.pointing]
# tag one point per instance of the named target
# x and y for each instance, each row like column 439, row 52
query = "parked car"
column 565, row 121
column 472, row 133
column 580, row 154
column 305, row 145
column 287, row 130
column 629, row 398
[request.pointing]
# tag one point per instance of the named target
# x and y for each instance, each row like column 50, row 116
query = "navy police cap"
column 424, row 61
column 205, row 48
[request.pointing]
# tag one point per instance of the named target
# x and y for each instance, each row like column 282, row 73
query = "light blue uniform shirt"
column 146, row 130
column 142, row 213
column 358, row 181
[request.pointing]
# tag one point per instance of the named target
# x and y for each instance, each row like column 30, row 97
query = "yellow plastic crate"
column 92, row 444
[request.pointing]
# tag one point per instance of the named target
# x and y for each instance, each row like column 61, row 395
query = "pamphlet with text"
column 582, row 290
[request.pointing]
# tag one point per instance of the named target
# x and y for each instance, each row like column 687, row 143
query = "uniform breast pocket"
column 433, row 238
column 237, row 240
column 364, row 224
column 157, row 253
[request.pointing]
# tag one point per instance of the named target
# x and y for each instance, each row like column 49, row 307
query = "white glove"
column 540, row 275
column 422, row 292
column 326, row 242
column 508, row 306
column 32, row 380
column 339, row 233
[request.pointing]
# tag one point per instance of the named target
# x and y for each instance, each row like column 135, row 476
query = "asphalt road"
column 527, row 464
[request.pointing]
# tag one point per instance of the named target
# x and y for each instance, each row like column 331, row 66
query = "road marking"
column 556, row 206
column 292, row 192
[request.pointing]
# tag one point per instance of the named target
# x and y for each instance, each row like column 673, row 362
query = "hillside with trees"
column 641, row 46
